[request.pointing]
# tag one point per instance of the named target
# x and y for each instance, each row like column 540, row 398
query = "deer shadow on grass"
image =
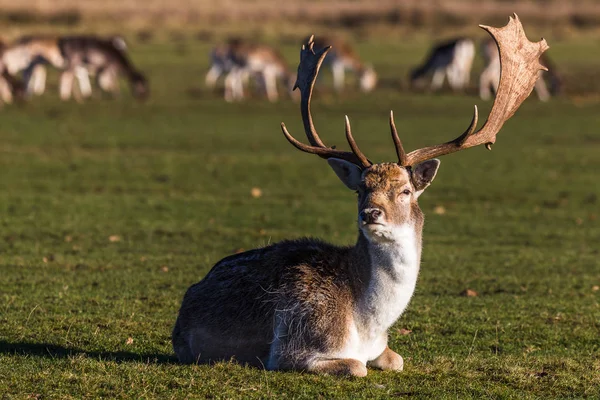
column 56, row 351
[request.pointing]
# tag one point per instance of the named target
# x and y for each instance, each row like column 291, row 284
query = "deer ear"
column 423, row 174
column 347, row 172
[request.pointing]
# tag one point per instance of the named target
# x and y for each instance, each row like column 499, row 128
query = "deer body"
column 260, row 61
column 105, row 58
column 30, row 55
column 343, row 58
column 344, row 298
column 452, row 60
column 221, row 63
column 308, row 305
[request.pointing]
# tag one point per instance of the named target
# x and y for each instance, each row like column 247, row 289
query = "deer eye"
column 406, row 192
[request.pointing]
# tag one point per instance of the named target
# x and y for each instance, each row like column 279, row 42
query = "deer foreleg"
column 212, row 76
column 438, row 79
column 83, row 81
column 270, row 79
column 39, row 79
column 66, row 84
column 541, row 89
column 338, row 69
column 5, row 91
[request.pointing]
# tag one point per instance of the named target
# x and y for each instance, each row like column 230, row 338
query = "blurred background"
column 393, row 36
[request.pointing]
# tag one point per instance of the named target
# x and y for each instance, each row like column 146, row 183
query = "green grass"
column 170, row 183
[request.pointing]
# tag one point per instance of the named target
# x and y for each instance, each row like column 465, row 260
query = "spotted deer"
column 312, row 306
column 342, row 58
column 549, row 84
column 452, row 60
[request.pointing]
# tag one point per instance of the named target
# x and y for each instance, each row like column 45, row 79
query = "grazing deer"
column 30, row 54
column 221, row 64
column 549, row 84
column 105, row 58
column 262, row 62
column 342, row 58
column 452, row 59
column 308, row 305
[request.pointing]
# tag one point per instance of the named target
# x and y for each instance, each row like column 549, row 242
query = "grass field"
column 111, row 209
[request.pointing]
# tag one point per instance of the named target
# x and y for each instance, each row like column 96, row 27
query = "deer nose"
column 370, row 215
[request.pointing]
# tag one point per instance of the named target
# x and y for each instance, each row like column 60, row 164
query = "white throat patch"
column 394, row 271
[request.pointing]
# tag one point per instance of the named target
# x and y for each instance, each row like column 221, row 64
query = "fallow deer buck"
column 308, row 305
column 452, row 60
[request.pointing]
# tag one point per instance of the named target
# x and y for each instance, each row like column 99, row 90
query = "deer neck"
column 388, row 276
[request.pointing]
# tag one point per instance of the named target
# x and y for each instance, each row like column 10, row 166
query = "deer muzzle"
column 370, row 216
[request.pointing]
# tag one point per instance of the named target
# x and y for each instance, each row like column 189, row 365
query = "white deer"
column 308, row 305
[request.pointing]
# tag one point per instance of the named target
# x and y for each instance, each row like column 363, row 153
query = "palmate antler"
column 519, row 61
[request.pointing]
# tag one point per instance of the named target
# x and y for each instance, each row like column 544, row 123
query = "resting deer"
column 308, row 305
column 490, row 76
column 452, row 59
column 342, row 58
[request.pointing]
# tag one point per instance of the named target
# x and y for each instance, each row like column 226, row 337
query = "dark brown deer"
column 308, row 305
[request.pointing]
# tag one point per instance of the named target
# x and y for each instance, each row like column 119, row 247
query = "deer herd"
column 241, row 64
column 311, row 306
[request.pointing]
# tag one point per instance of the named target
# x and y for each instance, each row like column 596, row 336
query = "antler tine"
column 365, row 163
column 519, row 70
column 308, row 69
column 324, row 152
column 397, row 142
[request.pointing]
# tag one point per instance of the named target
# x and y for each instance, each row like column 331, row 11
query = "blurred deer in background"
column 342, row 58
column 221, row 64
column 263, row 63
column 30, row 55
column 549, row 84
column 308, row 305
column 103, row 57
column 452, row 59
